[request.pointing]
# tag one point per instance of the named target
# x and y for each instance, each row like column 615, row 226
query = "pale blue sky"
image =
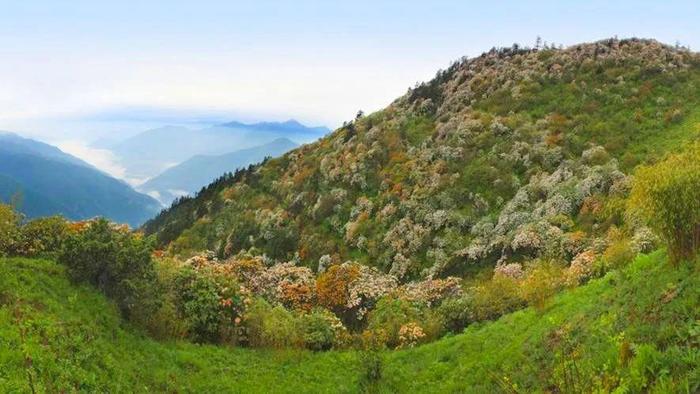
column 317, row 61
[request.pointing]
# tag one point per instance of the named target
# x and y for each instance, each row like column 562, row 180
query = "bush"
column 456, row 313
column 272, row 326
column 198, row 303
column 495, row 298
column 322, row 330
column 541, row 283
column 390, row 315
column 9, row 230
column 167, row 322
column 211, row 302
column 398, row 323
column 618, row 253
column 333, row 286
column 489, row 300
column 43, row 237
column 116, row 262
column 665, row 195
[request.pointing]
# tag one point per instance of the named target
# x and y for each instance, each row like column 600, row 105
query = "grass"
column 635, row 330
column 673, row 140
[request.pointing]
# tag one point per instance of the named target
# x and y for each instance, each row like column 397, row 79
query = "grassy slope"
column 63, row 337
column 672, row 140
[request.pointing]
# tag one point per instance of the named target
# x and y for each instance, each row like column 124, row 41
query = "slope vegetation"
column 634, row 330
column 499, row 158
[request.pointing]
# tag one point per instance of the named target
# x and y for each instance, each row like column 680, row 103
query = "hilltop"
column 515, row 154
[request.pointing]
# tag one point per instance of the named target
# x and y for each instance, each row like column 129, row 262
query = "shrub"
column 43, row 236
column 431, row 292
column 581, row 268
column 494, row 298
column 665, row 195
column 210, row 299
column 618, row 253
column 392, row 316
column 541, row 283
column 456, row 313
column 489, row 300
column 333, row 286
column 643, row 240
column 9, row 229
column 285, row 283
column 410, row 335
column 199, row 304
column 116, row 262
column 167, row 322
column 272, row 326
column 322, row 330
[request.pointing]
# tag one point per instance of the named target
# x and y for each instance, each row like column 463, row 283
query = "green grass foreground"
column 635, row 330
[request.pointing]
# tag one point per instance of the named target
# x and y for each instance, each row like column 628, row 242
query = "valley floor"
column 635, row 330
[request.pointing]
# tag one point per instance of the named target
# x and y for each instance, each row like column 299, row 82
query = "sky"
column 76, row 71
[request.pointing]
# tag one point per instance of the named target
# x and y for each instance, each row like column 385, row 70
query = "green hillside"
column 527, row 221
column 635, row 330
column 46, row 181
column 459, row 173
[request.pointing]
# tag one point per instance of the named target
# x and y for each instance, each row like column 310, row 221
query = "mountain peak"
column 292, row 122
column 459, row 162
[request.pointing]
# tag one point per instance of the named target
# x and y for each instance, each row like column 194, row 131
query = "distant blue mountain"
column 290, row 126
column 198, row 171
column 14, row 144
column 51, row 182
column 148, row 154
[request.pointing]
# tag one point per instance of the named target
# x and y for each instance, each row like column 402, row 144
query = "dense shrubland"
column 634, row 330
column 493, row 187
column 254, row 301
column 508, row 179
column 251, row 301
column 514, row 155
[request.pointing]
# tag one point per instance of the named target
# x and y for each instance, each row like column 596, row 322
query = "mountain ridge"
column 153, row 151
column 200, row 170
column 476, row 167
column 52, row 182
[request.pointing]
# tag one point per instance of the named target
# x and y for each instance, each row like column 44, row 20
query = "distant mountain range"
column 49, row 181
column 148, row 154
column 200, row 170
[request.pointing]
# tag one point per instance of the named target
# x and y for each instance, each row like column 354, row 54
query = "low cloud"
column 102, row 159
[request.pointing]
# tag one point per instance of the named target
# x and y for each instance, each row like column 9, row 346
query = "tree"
column 666, row 196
